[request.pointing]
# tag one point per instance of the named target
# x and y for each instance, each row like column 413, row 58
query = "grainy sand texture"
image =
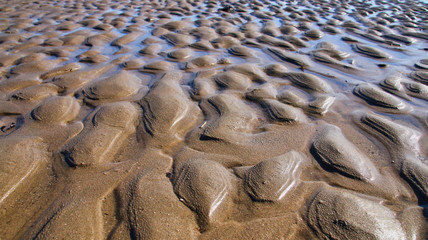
column 206, row 119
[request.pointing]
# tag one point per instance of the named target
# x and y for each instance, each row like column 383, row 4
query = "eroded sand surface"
column 213, row 119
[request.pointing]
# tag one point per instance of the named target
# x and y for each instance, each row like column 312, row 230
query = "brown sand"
column 213, row 119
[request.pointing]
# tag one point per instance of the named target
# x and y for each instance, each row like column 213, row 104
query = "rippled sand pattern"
column 213, row 119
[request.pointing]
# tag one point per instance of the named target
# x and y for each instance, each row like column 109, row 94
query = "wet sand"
column 213, row 120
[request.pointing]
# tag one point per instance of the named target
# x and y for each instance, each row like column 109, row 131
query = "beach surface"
column 213, row 119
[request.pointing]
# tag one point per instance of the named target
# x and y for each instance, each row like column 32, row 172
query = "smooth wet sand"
column 213, row 119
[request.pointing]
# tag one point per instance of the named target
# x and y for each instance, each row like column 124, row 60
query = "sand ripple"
column 213, row 119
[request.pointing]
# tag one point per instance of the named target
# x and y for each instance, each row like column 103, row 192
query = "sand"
column 213, row 119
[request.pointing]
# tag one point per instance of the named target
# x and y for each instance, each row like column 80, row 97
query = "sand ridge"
column 213, row 119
